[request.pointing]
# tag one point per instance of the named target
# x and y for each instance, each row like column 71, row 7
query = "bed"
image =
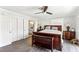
column 50, row 37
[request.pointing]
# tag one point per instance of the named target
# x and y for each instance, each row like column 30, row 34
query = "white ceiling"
column 58, row 11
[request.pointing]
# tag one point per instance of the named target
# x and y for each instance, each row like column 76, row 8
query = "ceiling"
column 58, row 11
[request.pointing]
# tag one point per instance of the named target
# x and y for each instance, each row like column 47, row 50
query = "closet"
column 13, row 27
column 5, row 29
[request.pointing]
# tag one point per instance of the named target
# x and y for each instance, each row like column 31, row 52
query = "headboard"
column 59, row 27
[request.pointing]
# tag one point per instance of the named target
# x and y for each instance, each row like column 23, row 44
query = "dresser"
column 68, row 35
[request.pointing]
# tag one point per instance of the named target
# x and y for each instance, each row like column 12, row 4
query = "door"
column 25, row 28
column 5, row 29
column 20, row 27
column 31, row 26
column 13, row 28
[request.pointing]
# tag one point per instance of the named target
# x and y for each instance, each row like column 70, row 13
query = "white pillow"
column 47, row 28
column 54, row 28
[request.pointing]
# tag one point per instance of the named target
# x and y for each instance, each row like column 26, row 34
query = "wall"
column 55, row 21
column 77, row 27
column 69, row 21
column 0, row 30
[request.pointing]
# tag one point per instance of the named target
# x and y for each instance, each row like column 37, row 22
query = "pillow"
column 54, row 28
column 48, row 27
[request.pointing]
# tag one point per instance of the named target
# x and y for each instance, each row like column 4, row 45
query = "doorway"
column 31, row 26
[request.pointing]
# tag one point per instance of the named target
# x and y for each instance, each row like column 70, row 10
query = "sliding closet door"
column 20, row 28
column 26, row 28
column 13, row 28
column 5, row 29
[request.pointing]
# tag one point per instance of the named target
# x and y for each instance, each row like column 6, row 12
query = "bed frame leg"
column 51, row 50
column 60, row 49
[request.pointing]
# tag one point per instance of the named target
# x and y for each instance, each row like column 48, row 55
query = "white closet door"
column 5, row 30
column 25, row 28
column 13, row 28
column 20, row 28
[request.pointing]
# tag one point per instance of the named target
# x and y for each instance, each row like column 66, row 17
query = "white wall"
column 0, row 30
column 77, row 27
column 69, row 21
column 55, row 21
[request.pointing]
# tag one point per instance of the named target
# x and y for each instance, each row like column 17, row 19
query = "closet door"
column 5, row 29
column 20, row 28
column 13, row 28
column 26, row 28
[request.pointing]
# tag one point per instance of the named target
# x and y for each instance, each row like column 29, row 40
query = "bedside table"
column 68, row 35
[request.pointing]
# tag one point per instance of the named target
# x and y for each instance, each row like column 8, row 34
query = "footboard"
column 43, row 41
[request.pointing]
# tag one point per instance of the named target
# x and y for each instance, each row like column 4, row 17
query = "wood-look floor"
column 25, row 45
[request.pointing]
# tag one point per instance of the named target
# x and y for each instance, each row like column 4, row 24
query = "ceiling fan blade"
column 49, row 13
column 45, row 8
column 38, row 12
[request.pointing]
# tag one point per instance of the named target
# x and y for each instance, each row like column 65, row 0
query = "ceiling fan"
column 44, row 10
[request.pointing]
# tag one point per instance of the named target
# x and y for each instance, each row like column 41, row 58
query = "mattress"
column 51, row 31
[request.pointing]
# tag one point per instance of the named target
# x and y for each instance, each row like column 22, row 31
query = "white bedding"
column 51, row 31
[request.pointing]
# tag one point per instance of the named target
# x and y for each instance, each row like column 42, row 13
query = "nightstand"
column 68, row 35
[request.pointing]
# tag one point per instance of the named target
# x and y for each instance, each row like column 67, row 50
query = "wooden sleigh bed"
column 48, row 40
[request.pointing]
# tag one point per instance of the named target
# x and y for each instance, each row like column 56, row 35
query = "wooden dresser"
column 69, row 35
